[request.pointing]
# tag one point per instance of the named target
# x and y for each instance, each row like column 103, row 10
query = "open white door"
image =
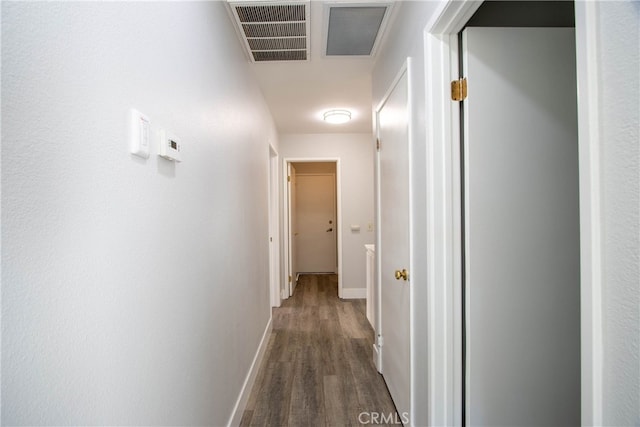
column 522, row 258
column 394, row 223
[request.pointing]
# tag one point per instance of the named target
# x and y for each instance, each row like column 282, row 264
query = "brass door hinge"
column 378, row 144
column 459, row 90
column 289, row 279
column 288, row 179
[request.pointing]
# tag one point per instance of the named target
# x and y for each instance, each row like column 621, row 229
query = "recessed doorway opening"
column 313, row 218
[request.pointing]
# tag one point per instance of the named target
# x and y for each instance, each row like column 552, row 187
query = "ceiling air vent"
column 355, row 29
column 273, row 31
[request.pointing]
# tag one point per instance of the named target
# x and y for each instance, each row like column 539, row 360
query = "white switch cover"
column 170, row 148
column 139, row 130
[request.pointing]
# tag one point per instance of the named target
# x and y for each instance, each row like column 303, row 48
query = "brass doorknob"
column 402, row 274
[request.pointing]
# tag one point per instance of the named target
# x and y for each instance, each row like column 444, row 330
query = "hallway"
column 144, row 236
column 318, row 368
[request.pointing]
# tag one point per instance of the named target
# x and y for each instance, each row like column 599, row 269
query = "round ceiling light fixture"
column 337, row 117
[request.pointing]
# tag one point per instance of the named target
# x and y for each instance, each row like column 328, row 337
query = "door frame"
column 274, row 229
column 444, row 212
column 287, row 210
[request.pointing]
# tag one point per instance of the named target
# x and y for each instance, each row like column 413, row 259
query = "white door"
column 522, row 283
column 393, row 133
column 316, row 223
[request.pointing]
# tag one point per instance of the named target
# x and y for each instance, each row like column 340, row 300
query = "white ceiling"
column 299, row 92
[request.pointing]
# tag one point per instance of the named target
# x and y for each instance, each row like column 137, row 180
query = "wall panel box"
column 170, row 148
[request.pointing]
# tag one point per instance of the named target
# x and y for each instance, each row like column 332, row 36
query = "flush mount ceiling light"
column 337, row 116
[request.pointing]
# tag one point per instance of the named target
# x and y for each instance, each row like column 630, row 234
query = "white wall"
column 134, row 292
column 619, row 60
column 405, row 40
column 355, row 152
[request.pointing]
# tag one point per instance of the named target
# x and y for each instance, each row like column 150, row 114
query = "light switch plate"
column 139, row 131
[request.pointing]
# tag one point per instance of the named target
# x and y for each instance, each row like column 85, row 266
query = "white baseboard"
column 241, row 403
column 354, row 293
column 377, row 358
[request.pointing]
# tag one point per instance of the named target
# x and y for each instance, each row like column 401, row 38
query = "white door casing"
column 292, row 223
column 316, row 228
column 274, row 230
column 393, row 251
column 444, row 332
column 288, row 234
column 522, row 252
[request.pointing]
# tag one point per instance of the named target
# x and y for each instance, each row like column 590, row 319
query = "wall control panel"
column 170, row 148
column 139, row 134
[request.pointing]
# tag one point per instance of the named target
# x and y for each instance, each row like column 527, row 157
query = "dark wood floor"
column 318, row 368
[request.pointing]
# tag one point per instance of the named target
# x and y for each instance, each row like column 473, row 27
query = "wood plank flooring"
column 318, row 368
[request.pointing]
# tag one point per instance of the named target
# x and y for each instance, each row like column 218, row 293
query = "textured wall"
column 619, row 26
column 134, row 292
column 356, row 163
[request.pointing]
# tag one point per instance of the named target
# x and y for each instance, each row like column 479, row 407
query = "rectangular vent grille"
column 355, row 30
column 273, row 32
column 273, row 13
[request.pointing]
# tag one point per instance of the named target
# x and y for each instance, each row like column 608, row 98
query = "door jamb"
column 589, row 160
column 274, row 229
column 285, row 163
column 444, row 246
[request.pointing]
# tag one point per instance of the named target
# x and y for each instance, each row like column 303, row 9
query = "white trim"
column 377, row 272
column 288, row 160
column 452, row 16
column 443, row 214
column 392, row 86
column 243, row 397
column 377, row 358
column 288, row 274
column 412, row 282
column 354, row 293
column 274, row 228
column 590, row 214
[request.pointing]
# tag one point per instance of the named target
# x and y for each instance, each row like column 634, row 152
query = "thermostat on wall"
column 170, row 148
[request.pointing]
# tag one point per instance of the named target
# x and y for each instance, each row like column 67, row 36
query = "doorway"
column 313, row 216
column 454, row 199
column 521, row 247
